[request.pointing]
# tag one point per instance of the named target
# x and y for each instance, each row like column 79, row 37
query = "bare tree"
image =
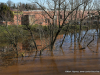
column 9, row 3
column 57, row 4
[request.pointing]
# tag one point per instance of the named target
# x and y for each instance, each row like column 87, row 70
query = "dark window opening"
column 46, row 20
column 60, row 16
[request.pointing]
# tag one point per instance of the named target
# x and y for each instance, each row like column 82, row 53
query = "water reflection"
column 68, row 57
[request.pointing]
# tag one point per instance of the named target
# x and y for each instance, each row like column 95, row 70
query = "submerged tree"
column 56, row 9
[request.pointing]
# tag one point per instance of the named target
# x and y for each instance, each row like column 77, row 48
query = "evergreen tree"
column 5, row 13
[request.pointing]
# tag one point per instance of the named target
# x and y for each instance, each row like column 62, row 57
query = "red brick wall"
column 41, row 16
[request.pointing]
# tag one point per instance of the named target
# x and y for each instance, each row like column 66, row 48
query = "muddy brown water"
column 60, row 61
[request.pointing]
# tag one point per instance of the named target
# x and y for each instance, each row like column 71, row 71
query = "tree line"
column 22, row 6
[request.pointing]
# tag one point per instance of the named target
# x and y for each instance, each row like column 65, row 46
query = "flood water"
column 59, row 61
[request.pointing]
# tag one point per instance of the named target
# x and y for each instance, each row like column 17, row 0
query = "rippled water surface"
column 68, row 58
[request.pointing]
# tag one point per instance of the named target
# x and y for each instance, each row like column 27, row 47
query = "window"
column 40, row 23
column 46, row 20
column 60, row 16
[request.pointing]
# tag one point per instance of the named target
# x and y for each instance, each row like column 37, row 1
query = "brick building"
column 40, row 17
